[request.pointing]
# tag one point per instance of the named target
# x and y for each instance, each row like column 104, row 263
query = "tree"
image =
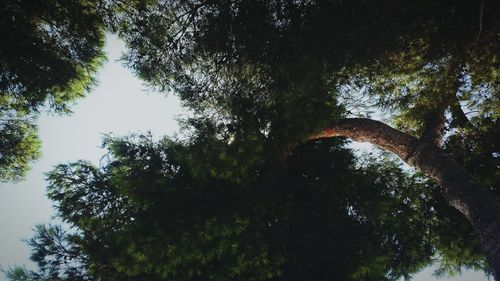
column 50, row 52
column 265, row 79
column 184, row 211
column 430, row 60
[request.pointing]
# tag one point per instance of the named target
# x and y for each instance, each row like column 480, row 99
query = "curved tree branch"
column 460, row 190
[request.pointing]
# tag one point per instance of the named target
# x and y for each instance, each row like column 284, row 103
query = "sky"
column 120, row 105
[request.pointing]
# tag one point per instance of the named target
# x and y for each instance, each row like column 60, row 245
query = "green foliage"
column 477, row 149
column 50, row 52
column 430, row 56
column 232, row 201
column 194, row 211
column 154, row 213
column 17, row 273
column 19, row 145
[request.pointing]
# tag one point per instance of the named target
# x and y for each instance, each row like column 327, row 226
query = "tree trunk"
column 461, row 192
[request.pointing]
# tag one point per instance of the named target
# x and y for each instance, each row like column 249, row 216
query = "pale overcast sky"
column 120, row 104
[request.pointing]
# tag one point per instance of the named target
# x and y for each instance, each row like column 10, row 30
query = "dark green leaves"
column 49, row 55
column 50, row 52
column 171, row 211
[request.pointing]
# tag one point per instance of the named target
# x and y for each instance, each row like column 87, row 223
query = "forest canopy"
column 260, row 189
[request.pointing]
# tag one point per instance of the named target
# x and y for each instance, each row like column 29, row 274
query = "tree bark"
column 434, row 128
column 460, row 190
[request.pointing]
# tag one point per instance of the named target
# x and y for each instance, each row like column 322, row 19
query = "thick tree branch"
column 434, row 128
column 375, row 132
column 460, row 190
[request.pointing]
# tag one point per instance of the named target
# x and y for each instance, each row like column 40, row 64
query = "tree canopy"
column 250, row 193
column 195, row 211
column 49, row 54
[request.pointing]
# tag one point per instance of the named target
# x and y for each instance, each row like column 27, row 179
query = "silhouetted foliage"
column 49, row 54
column 290, row 67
